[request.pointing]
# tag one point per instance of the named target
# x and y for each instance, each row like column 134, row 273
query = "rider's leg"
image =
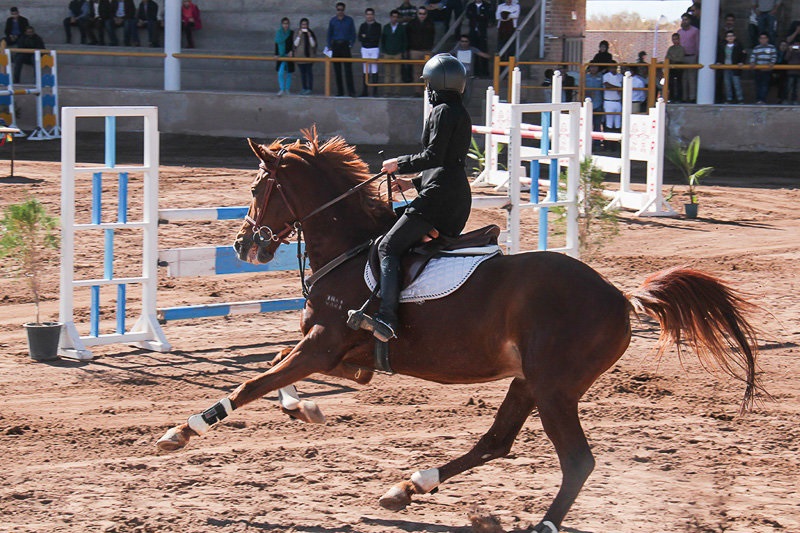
column 407, row 231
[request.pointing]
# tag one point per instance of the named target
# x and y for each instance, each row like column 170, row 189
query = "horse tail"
column 699, row 309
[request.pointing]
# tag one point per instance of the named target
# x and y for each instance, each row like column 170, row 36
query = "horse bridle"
column 295, row 227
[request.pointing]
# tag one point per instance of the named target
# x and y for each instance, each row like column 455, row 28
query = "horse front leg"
column 307, row 358
column 497, row 442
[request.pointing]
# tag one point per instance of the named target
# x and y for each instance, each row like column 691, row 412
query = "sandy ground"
column 78, row 439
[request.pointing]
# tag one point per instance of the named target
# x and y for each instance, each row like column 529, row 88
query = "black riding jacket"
column 444, row 197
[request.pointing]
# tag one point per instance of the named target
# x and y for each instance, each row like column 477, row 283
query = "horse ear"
column 261, row 152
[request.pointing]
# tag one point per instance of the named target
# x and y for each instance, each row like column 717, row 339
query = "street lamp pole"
column 660, row 20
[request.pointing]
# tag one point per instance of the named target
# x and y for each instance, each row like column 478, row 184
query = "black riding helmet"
column 444, row 72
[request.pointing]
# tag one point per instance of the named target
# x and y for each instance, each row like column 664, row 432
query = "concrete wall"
column 374, row 121
column 741, row 128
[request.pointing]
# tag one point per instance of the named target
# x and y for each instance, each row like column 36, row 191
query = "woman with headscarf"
column 284, row 46
column 305, row 45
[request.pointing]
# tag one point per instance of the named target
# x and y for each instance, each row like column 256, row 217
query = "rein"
column 296, row 227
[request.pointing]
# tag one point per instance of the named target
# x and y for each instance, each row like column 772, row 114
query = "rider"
column 444, row 199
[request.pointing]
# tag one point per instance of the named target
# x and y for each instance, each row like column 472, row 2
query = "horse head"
column 271, row 218
column 293, row 182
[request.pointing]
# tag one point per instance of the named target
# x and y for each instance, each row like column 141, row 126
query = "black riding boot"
column 365, row 87
column 387, row 323
column 374, row 80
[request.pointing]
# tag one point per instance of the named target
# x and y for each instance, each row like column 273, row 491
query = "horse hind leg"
column 559, row 416
column 497, row 442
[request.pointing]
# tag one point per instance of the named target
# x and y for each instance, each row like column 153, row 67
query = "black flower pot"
column 43, row 340
column 691, row 210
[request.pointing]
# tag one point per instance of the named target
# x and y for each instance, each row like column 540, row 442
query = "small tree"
column 685, row 158
column 26, row 232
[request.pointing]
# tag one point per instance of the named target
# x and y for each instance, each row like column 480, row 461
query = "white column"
column 172, row 45
column 708, row 51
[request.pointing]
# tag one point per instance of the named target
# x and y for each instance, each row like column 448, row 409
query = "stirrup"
column 358, row 319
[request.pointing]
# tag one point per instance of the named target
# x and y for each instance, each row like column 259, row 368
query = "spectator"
column 15, row 27
column 466, row 54
column 78, row 15
column 341, row 37
column 99, row 11
column 29, row 39
column 507, row 15
column 369, row 35
column 641, row 57
column 305, row 45
column 690, row 41
column 284, row 42
column 479, row 14
column 779, row 77
column 676, row 56
column 147, row 16
column 593, row 83
column 603, row 55
column 439, row 13
column 728, row 24
column 393, row 45
column 793, row 76
column 408, row 12
column 767, row 15
column 639, row 94
column 420, row 33
column 752, row 27
column 763, row 55
column 123, row 15
column 612, row 100
column 694, row 14
column 190, row 21
column 731, row 53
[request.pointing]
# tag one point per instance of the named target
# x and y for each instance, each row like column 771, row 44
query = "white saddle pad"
column 442, row 275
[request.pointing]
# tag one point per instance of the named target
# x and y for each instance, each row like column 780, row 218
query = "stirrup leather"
column 358, row 319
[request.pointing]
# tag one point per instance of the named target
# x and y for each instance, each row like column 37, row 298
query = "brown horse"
column 547, row 321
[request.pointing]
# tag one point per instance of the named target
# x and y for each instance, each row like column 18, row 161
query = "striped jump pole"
column 146, row 332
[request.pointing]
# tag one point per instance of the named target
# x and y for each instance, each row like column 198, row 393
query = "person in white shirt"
column 612, row 99
column 507, row 15
column 639, row 97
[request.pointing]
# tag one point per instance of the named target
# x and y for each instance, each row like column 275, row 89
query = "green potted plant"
column 26, row 233
column 685, row 158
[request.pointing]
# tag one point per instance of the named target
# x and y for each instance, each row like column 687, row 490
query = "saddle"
column 481, row 241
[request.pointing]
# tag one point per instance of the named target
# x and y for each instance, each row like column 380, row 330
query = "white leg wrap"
column 289, row 398
column 198, row 425
column 201, row 423
column 550, row 525
column 426, row 480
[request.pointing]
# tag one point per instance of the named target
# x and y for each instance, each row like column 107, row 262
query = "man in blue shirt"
column 341, row 36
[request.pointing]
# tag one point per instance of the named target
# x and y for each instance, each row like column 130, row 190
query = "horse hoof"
column 307, row 411
column 173, row 440
column 398, row 497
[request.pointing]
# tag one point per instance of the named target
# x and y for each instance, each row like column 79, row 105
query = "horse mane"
column 342, row 166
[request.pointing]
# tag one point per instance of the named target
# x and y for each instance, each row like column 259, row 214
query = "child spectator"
column 29, row 39
column 675, row 55
column 305, row 45
column 393, row 46
column 763, row 55
column 731, row 53
column 284, row 41
column 78, row 15
column 15, row 27
column 190, row 21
